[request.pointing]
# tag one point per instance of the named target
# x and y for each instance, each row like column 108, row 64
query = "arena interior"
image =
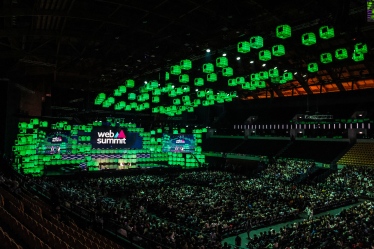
column 186, row 124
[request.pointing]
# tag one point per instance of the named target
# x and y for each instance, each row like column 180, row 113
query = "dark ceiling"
column 97, row 44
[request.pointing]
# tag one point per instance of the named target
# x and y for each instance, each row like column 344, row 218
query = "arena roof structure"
column 95, row 45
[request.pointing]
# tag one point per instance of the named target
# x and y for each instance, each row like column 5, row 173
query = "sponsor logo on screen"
column 111, row 138
column 180, row 141
column 56, row 139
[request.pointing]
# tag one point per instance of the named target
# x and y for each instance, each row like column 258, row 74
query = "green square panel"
column 232, row 82
column 184, row 78
column 244, row 47
column 326, row 58
column 326, row 33
column 212, row 77
column 265, row 55
column 312, row 67
column 287, row 76
column 308, row 39
column 283, row 31
column 361, row 48
column 263, row 75
column 256, row 42
column 222, row 62
column 255, row 76
column 186, row 64
column 240, row 80
column 358, row 56
column 227, row 71
column 273, row 72
column 175, row 70
column 341, row 53
column 130, row 83
column 208, row 68
column 199, row 82
column 278, row 50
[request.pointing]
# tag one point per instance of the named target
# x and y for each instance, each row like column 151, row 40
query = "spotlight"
column 223, row 54
column 304, row 75
column 145, row 82
column 251, row 62
column 295, row 73
column 285, row 70
column 263, row 64
column 275, row 67
column 197, row 90
column 237, row 58
column 208, row 50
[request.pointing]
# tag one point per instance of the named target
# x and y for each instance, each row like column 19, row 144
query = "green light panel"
column 122, row 89
column 156, row 91
column 199, row 82
column 361, row 48
column 186, row 64
column 185, row 98
column 176, row 101
column 208, row 68
column 186, row 89
column 244, row 47
column 255, row 76
column 228, row 71
column 326, row 58
column 283, row 31
column 222, row 62
column 263, row 75
column 130, row 83
column 358, row 56
column 287, row 76
column 117, row 93
column 246, row 85
column 256, row 42
column 176, row 70
column 308, row 39
column 155, row 99
column 273, row 72
column 312, row 67
column 239, row 80
column 278, row 50
column 265, row 55
column 167, row 76
column 341, row 54
column 184, row 78
column 131, row 96
column 212, row 77
column 326, row 33
column 200, row 94
column 232, row 82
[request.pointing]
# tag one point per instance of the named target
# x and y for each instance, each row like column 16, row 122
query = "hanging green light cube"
column 361, row 48
column 122, row 89
column 265, row 55
column 278, row 50
column 263, row 75
column 184, row 78
column 179, row 91
column 232, row 82
column 312, row 67
column 287, row 76
column 170, row 86
column 156, row 91
column 326, row 33
column 222, row 62
column 199, row 82
column 341, row 53
column 209, row 91
column 155, row 109
column 261, row 84
column 155, row 99
column 255, row 76
column 273, row 72
column 244, row 47
column 197, row 101
column 200, row 94
column 228, row 71
column 212, row 77
column 190, row 109
column 167, row 76
column 246, row 85
column 133, row 105
column 208, row 68
column 256, row 42
column 239, row 80
column 186, row 64
column 176, row 70
column 172, row 93
column 140, row 98
column 205, row 102
column 131, row 96
column 153, row 84
column 326, row 58
column 186, row 98
column 283, row 31
column 308, row 39
column 130, row 83
column 117, row 93
column 186, row 89
column 176, row 101
column 358, row 56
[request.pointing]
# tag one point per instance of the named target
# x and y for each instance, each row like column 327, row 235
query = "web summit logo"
column 110, row 138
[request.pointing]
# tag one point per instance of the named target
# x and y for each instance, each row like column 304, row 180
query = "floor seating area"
column 361, row 154
column 262, row 147
column 32, row 219
column 320, row 151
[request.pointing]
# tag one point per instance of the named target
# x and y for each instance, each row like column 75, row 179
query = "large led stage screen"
column 113, row 137
column 181, row 143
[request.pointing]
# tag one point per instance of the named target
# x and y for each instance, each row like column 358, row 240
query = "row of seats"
column 10, row 197
column 99, row 236
column 7, row 242
column 361, row 154
column 44, row 208
column 26, row 235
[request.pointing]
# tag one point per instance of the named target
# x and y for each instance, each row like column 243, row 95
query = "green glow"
column 265, row 55
column 312, row 67
column 130, row 83
column 172, row 93
column 361, row 48
column 186, row 89
column 326, row 58
column 240, row 80
column 208, row 68
column 155, row 99
column 287, row 76
column 256, row 42
column 184, row 78
column 186, row 64
column 341, row 53
column 273, row 72
column 212, row 77
column 156, row 110
column 244, row 47
column 122, row 89
column 117, row 93
column 153, row 84
column 326, row 33
column 308, row 39
column 222, row 62
column 197, row 101
column 199, row 82
column 156, row 91
column 283, row 31
column 246, row 85
column 131, row 96
column 176, row 70
column 227, row 71
column 255, row 76
column 185, row 98
column 232, row 82
column 263, row 75
column 200, row 94
column 167, row 76
column 176, row 101
column 278, row 50
column 358, row 56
